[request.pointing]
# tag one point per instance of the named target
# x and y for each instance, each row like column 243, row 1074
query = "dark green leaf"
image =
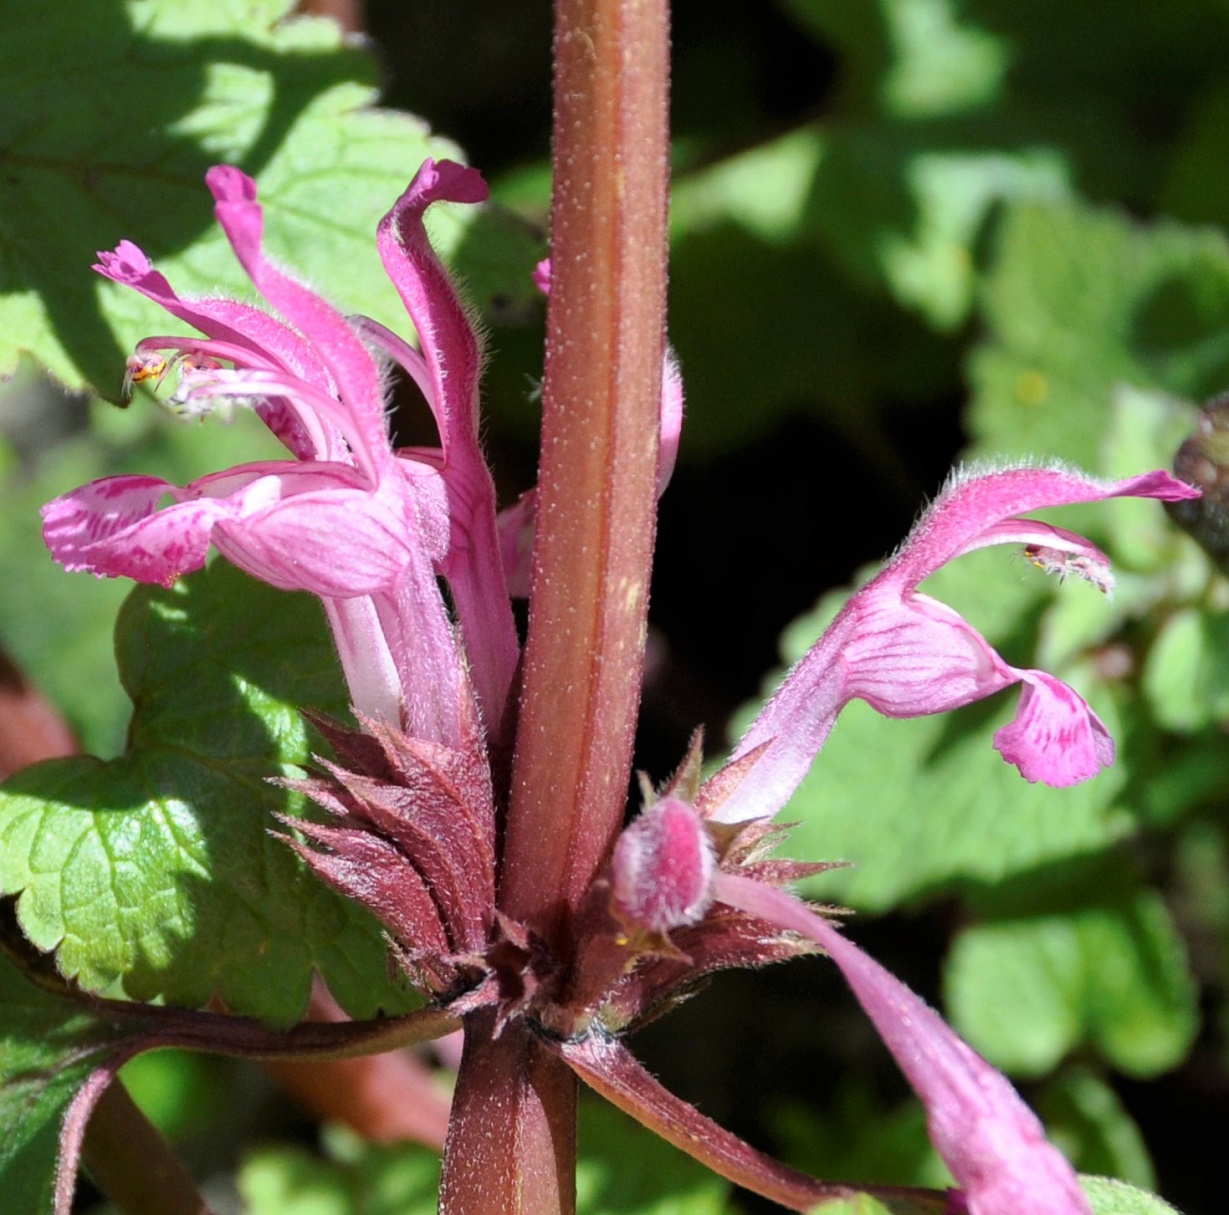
column 162, row 89
column 48, row 1047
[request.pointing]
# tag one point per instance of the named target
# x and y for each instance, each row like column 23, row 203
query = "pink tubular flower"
column 992, row 1142
column 365, row 528
column 906, row 654
column 663, row 877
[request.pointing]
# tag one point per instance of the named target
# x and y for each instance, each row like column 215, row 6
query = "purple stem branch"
column 133, row 1164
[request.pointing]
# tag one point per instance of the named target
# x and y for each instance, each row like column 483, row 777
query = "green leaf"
column 907, row 208
column 162, row 89
column 909, row 179
column 1089, row 1124
column 1110, row 1197
column 48, row 1048
column 1026, row 992
column 1185, row 674
column 1080, row 301
column 357, row 1179
column 624, row 1167
column 854, row 1139
column 913, row 58
column 158, row 869
column 864, row 1204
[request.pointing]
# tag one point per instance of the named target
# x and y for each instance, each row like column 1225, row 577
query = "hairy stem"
column 596, row 486
column 133, row 1164
column 611, row 1070
column 512, row 1142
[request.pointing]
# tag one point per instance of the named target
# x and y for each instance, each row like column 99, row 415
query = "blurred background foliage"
column 904, row 232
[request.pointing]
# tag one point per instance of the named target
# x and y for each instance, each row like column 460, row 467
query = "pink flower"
column 365, row 528
column 992, row 1142
column 906, row 654
column 664, row 877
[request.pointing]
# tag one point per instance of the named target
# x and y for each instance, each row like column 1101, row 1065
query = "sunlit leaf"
column 159, row 869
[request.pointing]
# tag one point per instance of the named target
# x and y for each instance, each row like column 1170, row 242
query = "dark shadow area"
column 90, row 152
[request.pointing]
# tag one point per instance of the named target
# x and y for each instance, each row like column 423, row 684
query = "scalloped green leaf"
column 1110, row 1197
column 158, row 869
column 1027, row 991
column 161, row 90
column 1079, row 301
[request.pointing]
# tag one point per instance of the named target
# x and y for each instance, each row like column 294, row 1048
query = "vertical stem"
column 596, row 486
column 512, row 1141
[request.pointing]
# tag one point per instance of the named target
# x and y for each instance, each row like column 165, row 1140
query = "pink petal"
column 350, row 366
column 1055, row 737
column 904, row 657
column 992, row 1142
column 906, row 654
column 452, row 363
column 911, row 657
column 371, row 674
column 113, row 528
column 971, row 502
column 517, row 524
column 226, row 320
column 671, row 419
column 449, row 343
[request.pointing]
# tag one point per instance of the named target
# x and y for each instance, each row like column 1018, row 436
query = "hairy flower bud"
column 663, row 867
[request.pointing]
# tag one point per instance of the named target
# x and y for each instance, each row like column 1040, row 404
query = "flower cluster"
column 414, row 796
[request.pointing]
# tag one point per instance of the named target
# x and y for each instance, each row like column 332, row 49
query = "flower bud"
column 663, row 867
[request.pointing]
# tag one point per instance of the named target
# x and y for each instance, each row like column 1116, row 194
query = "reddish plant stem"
column 596, row 482
column 611, row 1070
column 386, row 1098
column 133, row 1164
column 512, row 1142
